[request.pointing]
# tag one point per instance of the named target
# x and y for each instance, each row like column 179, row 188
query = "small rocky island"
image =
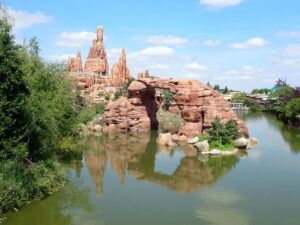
column 148, row 103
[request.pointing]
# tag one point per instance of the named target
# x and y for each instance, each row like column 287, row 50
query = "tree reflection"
column 56, row 209
column 290, row 134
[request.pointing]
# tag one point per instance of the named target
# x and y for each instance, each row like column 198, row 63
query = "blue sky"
column 243, row 44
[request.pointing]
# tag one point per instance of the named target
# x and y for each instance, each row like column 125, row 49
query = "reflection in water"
column 261, row 191
column 57, row 209
column 219, row 208
column 290, row 134
column 139, row 155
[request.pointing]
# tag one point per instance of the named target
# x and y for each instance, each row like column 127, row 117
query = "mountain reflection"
column 137, row 154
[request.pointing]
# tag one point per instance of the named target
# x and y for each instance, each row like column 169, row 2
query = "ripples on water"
column 128, row 179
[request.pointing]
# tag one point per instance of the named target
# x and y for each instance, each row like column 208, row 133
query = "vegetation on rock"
column 222, row 136
column 169, row 122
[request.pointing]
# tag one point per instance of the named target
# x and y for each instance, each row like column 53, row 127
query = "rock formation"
column 144, row 75
column 120, row 72
column 94, row 80
column 97, row 58
column 122, row 115
column 75, row 64
column 197, row 103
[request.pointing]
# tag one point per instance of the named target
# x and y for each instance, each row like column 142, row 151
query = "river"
column 128, row 180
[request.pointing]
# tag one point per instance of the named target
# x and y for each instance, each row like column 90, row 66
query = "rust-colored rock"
column 121, row 115
column 75, row 64
column 198, row 104
column 120, row 72
column 97, row 58
column 144, row 75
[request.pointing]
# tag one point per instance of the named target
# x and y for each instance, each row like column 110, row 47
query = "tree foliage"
column 13, row 93
column 37, row 110
column 223, row 134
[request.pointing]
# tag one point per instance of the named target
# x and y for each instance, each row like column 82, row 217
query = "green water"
column 129, row 180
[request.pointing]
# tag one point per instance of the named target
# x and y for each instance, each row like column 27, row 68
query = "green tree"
column 292, row 109
column 226, row 90
column 13, row 92
column 217, row 87
column 222, row 135
column 280, row 97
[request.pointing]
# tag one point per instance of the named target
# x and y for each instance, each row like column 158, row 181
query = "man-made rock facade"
column 97, row 58
column 197, row 103
column 75, row 64
column 95, row 80
column 120, row 72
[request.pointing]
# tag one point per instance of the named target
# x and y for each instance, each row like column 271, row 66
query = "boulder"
column 202, row 146
column 193, row 140
column 241, row 143
column 165, row 139
column 215, row 152
column 253, row 141
column 177, row 137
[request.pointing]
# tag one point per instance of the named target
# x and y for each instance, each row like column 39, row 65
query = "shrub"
column 168, row 96
column 20, row 183
column 222, row 135
column 169, row 122
column 117, row 95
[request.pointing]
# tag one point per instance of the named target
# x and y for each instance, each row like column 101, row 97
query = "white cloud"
column 212, row 43
column 60, row 58
column 166, row 40
column 114, row 52
column 289, row 34
column 75, row 39
column 195, row 67
column 25, row 19
column 231, row 72
column 292, row 50
column 251, row 43
column 153, row 51
column 159, row 67
column 219, row 4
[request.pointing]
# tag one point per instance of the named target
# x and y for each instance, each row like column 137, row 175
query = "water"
column 129, row 180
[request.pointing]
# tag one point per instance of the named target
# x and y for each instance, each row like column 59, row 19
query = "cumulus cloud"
column 289, row 34
column 212, row 43
column 159, row 67
column 219, row 4
column 166, row 40
column 251, row 43
column 22, row 19
column 292, row 50
column 196, row 67
column 75, row 39
column 153, row 51
column 60, row 58
column 243, row 73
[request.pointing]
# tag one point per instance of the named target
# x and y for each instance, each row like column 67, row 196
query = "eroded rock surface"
column 97, row 58
column 198, row 104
